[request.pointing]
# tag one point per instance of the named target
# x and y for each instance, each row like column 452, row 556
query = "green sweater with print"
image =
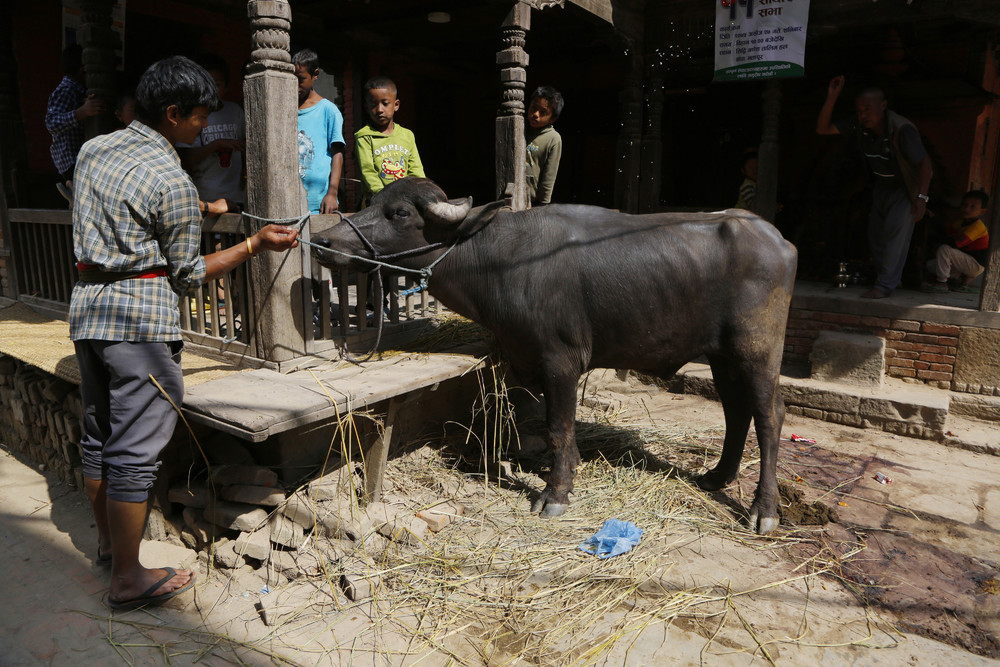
column 384, row 158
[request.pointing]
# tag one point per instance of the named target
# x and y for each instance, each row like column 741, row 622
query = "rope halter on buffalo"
column 377, row 260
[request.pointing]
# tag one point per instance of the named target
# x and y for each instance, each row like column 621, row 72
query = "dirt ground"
column 907, row 574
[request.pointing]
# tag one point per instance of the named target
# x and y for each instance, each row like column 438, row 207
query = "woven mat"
column 44, row 343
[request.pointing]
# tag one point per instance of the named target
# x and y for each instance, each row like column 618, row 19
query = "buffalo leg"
column 769, row 414
column 560, row 401
column 736, row 405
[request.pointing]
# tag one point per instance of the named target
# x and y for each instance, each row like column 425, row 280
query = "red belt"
column 91, row 273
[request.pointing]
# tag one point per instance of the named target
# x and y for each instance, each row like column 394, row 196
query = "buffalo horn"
column 449, row 213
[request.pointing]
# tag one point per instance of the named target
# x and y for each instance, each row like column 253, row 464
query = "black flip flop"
column 148, row 598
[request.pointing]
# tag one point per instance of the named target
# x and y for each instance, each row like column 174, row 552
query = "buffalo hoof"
column 547, row 506
column 764, row 524
column 712, row 481
column 555, row 509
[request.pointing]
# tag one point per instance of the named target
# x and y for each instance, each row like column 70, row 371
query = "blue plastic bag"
column 615, row 537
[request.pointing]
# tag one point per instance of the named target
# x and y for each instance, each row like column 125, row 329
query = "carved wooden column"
column 652, row 144
column 767, row 153
column 512, row 59
column 99, row 42
column 274, row 190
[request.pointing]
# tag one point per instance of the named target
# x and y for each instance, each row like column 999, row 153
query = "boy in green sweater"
column 385, row 151
column 544, row 145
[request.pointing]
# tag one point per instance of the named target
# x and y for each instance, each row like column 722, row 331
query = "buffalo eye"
column 402, row 213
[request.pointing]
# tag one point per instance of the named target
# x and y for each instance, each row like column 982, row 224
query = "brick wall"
column 923, row 351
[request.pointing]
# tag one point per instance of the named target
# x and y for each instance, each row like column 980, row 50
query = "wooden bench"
column 258, row 404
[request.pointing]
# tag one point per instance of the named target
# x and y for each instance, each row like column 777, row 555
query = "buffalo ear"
column 479, row 217
column 449, row 212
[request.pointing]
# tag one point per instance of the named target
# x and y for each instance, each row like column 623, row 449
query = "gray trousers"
column 890, row 227
column 127, row 421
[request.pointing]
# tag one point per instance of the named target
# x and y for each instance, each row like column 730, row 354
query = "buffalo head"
column 405, row 217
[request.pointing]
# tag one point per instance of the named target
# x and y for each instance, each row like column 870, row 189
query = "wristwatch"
column 924, row 197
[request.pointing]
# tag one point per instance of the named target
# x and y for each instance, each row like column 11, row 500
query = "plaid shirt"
column 62, row 123
column 134, row 209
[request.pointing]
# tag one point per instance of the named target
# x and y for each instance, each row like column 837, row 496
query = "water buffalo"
column 568, row 288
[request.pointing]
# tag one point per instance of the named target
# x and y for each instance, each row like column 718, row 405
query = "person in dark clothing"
column 900, row 171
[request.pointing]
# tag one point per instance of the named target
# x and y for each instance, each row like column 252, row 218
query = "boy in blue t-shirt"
column 321, row 137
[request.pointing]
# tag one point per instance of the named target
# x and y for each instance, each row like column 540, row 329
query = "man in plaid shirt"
column 136, row 232
column 68, row 106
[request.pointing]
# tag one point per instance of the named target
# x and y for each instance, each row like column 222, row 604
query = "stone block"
column 244, row 474
column 975, row 406
column 225, row 556
column 300, row 508
column 904, row 411
column 357, row 586
column 405, row 530
column 235, row 516
column 851, row 358
column 977, row 362
column 339, row 520
column 203, row 531
column 198, row 494
column 819, row 398
column 440, row 515
column 253, row 495
column 256, row 545
column 286, row 532
column 334, row 549
column 342, row 482
column 296, row 565
column 375, row 515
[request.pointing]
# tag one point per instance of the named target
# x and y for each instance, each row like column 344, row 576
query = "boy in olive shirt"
column 386, row 152
column 544, row 145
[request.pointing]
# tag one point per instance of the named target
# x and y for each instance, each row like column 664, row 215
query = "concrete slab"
column 257, row 404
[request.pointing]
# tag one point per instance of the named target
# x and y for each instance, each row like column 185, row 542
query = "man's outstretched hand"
column 276, row 238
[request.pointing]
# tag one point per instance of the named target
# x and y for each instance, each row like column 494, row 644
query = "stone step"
column 897, row 407
column 850, row 358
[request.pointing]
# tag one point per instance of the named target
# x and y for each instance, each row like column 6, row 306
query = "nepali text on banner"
column 760, row 39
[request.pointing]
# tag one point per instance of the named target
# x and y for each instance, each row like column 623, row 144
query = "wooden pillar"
column 512, row 60
column 989, row 291
column 99, row 42
column 274, row 189
column 652, row 145
column 767, row 153
column 628, row 154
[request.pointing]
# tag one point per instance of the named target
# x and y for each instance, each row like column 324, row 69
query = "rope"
column 424, row 273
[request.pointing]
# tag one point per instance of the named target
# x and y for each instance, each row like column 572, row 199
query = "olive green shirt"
column 544, row 150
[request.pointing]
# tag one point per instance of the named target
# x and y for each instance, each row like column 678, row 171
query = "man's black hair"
column 71, row 59
column 984, row 199
column 211, row 61
column 873, row 90
column 378, row 82
column 173, row 81
column 123, row 97
column 747, row 156
column 307, row 58
column 554, row 97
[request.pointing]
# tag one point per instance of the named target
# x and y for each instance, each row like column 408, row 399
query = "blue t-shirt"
column 320, row 127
